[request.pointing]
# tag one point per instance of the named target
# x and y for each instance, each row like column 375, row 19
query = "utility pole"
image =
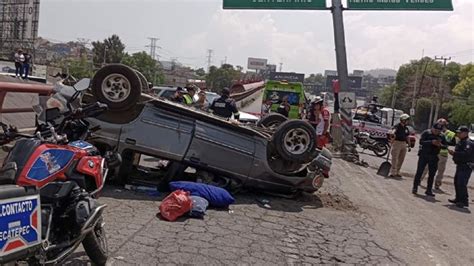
column 209, row 59
column 346, row 140
column 281, row 66
column 440, row 95
column 153, row 46
column 105, row 55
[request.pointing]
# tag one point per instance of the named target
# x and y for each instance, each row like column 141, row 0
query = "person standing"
column 443, row 153
column 463, row 157
column 178, row 96
column 201, row 103
column 19, row 58
column 319, row 118
column 431, row 142
column 26, row 64
column 225, row 106
column 192, row 91
column 285, row 107
column 399, row 145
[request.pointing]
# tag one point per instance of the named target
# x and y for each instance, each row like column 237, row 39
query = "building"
column 18, row 26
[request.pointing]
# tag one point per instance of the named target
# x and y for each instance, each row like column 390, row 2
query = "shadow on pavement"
column 455, row 208
column 428, row 198
column 77, row 258
column 296, row 204
column 394, row 178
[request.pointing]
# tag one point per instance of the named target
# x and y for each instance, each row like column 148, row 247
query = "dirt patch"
column 326, row 199
column 336, row 201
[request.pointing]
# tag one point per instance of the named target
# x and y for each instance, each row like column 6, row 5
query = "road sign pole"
column 341, row 60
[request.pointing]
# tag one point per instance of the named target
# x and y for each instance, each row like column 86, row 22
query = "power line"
column 153, row 47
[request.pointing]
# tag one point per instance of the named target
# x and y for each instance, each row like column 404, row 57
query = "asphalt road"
column 356, row 218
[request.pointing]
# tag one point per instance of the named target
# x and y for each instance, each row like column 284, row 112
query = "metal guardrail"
column 5, row 87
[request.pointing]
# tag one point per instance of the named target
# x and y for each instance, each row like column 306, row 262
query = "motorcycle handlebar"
column 91, row 109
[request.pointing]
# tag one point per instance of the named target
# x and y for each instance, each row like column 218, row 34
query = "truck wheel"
column 95, row 245
column 143, row 81
column 272, row 120
column 118, row 86
column 295, row 141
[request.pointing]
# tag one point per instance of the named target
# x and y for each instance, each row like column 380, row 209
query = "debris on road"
column 175, row 205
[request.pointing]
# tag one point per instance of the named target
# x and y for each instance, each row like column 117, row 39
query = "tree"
column 315, row 78
column 219, row 78
column 111, row 50
column 200, row 72
column 78, row 68
column 144, row 63
column 462, row 106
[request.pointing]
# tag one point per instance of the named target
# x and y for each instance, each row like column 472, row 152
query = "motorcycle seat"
column 14, row 191
column 8, row 173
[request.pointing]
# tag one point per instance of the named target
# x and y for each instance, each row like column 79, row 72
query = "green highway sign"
column 275, row 4
column 442, row 5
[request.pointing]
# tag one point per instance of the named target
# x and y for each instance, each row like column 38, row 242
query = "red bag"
column 176, row 205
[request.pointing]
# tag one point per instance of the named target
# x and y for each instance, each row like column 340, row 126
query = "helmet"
column 404, row 117
column 317, row 100
column 442, row 121
column 225, row 91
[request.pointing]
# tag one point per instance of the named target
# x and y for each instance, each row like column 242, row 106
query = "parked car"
column 277, row 154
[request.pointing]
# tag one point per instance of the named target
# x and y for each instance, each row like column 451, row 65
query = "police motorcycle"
column 379, row 146
column 50, row 182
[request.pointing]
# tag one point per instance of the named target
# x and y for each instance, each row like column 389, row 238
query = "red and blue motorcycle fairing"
column 51, row 162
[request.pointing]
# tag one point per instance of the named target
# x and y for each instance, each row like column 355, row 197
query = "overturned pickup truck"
column 275, row 155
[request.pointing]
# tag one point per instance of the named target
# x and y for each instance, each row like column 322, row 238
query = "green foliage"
column 219, row 78
column 423, row 107
column 386, row 94
column 111, row 50
column 200, row 72
column 462, row 107
column 144, row 63
column 315, row 78
column 78, row 68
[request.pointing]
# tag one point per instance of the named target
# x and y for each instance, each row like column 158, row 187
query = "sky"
column 302, row 41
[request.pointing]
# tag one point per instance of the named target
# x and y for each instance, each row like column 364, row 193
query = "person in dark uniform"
column 463, row 157
column 225, row 106
column 431, row 142
column 178, row 96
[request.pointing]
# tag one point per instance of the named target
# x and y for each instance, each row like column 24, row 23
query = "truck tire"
column 95, row 245
column 295, row 141
column 272, row 120
column 143, row 81
column 118, row 86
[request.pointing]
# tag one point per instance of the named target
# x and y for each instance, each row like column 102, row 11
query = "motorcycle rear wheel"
column 380, row 149
column 95, row 245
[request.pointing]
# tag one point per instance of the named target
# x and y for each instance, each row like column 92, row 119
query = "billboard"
column 355, row 82
column 257, row 63
column 18, row 25
column 287, row 76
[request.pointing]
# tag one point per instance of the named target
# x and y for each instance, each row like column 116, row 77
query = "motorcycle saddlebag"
column 20, row 222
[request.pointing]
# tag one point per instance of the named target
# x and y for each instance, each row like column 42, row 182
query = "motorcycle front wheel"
column 95, row 244
column 380, row 149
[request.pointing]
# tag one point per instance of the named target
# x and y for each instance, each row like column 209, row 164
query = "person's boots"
column 429, row 193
